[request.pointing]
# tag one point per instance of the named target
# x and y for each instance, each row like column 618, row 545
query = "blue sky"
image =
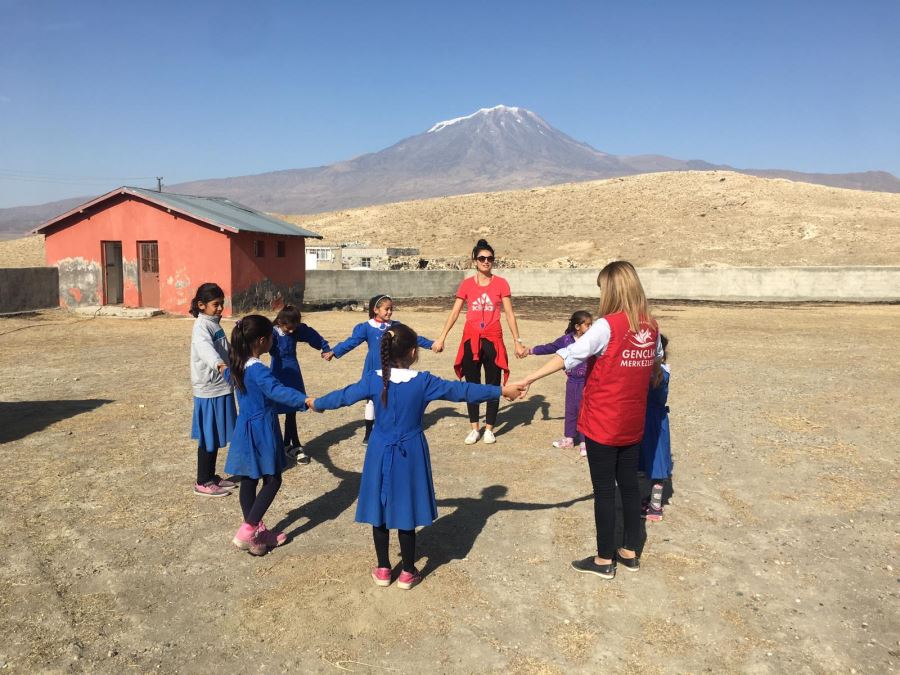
column 94, row 94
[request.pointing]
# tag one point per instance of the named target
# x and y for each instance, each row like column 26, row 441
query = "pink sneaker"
column 583, row 451
column 564, row 442
column 246, row 540
column 210, row 489
column 409, row 579
column 269, row 537
column 381, row 576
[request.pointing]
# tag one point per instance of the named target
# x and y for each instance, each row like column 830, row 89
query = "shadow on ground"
column 19, row 419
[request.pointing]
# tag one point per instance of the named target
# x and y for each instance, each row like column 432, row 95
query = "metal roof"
column 216, row 211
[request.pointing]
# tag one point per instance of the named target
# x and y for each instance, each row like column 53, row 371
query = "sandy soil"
column 23, row 252
column 778, row 552
column 681, row 219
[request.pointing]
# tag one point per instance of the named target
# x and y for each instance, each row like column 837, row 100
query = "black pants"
column 253, row 505
column 291, row 437
column 206, row 465
column 472, row 372
column 407, row 538
column 609, row 465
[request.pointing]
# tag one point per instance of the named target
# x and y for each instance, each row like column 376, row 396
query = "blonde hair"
column 621, row 291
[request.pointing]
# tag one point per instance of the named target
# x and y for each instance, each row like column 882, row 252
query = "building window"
column 366, row 262
column 259, row 249
column 324, row 254
column 279, row 249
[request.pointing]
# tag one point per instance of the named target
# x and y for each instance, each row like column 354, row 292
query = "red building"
column 144, row 248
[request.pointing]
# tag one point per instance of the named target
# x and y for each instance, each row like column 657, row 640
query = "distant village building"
column 144, row 248
column 355, row 257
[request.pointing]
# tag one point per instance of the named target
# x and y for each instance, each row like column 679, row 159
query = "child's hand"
column 438, row 346
column 521, row 351
column 328, row 355
column 311, row 404
column 221, row 368
column 511, row 392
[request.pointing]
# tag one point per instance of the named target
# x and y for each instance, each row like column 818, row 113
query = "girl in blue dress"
column 396, row 491
column 655, row 459
column 381, row 309
column 287, row 333
column 257, row 448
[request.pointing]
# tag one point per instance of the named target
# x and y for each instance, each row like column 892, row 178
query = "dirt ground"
column 778, row 551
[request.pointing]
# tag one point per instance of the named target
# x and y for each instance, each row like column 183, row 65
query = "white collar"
column 380, row 325
column 399, row 375
column 279, row 331
column 666, row 368
column 252, row 360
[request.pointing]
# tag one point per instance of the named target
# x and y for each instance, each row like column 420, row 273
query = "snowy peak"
column 499, row 115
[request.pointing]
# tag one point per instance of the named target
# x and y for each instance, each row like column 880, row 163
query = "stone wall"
column 27, row 288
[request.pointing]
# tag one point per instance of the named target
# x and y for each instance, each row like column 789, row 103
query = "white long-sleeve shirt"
column 593, row 343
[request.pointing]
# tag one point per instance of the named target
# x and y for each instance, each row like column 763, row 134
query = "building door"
column 148, row 263
column 113, row 279
column 311, row 259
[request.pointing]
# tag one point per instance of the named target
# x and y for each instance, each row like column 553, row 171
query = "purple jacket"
column 579, row 372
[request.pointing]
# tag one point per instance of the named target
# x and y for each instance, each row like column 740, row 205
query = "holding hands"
column 512, row 392
column 328, row 355
column 521, row 350
column 311, row 404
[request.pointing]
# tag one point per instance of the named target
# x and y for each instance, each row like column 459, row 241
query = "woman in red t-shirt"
column 620, row 349
column 484, row 295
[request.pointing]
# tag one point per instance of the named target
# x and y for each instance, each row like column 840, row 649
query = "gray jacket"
column 209, row 348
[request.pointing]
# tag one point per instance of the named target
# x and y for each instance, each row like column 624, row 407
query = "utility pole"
column 159, row 183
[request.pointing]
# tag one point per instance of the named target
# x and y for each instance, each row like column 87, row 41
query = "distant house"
column 145, row 248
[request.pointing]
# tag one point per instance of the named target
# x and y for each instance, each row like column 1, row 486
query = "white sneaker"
column 472, row 438
column 488, row 436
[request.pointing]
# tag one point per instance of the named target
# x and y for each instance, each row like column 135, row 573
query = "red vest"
column 615, row 392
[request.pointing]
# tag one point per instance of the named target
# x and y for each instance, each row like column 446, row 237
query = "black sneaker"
column 302, row 457
column 588, row 566
column 630, row 564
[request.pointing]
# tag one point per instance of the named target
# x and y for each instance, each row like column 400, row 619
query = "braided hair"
column 398, row 350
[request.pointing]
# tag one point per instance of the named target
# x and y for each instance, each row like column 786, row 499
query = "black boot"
column 369, row 425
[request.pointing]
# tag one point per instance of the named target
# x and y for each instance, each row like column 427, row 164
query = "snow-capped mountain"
column 497, row 148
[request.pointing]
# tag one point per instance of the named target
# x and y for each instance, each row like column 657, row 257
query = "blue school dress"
column 371, row 333
column 285, row 365
column 656, row 449
column 396, row 489
column 257, row 447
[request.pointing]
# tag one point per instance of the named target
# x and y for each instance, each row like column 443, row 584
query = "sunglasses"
column 485, row 258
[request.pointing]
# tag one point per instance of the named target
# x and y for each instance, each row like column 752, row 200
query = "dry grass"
column 23, row 252
column 682, row 219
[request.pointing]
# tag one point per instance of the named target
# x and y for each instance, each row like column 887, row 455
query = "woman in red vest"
column 620, row 349
column 485, row 295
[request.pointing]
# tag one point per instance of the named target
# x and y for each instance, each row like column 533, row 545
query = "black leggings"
column 609, row 465
column 407, row 538
column 253, row 505
column 472, row 372
column 206, row 465
column 290, row 430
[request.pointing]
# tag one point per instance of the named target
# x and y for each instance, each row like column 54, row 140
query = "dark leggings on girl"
column 610, row 464
column 206, row 465
column 253, row 505
column 290, row 429
column 492, row 373
column 407, row 538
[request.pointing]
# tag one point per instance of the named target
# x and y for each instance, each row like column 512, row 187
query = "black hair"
column 656, row 376
column 206, row 293
column 577, row 319
column 288, row 315
column 398, row 342
column 375, row 301
column 244, row 335
column 482, row 245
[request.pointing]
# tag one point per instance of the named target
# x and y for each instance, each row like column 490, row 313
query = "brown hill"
column 675, row 219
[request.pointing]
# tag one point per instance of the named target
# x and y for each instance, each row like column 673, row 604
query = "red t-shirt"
column 483, row 303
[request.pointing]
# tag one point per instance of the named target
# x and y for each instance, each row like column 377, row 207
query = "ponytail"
column 205, row 293
column 387, row 342
column 577, row 319
column 244, row 335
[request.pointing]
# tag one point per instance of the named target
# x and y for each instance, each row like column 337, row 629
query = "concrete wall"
column 26, row 288
column 786, row 284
